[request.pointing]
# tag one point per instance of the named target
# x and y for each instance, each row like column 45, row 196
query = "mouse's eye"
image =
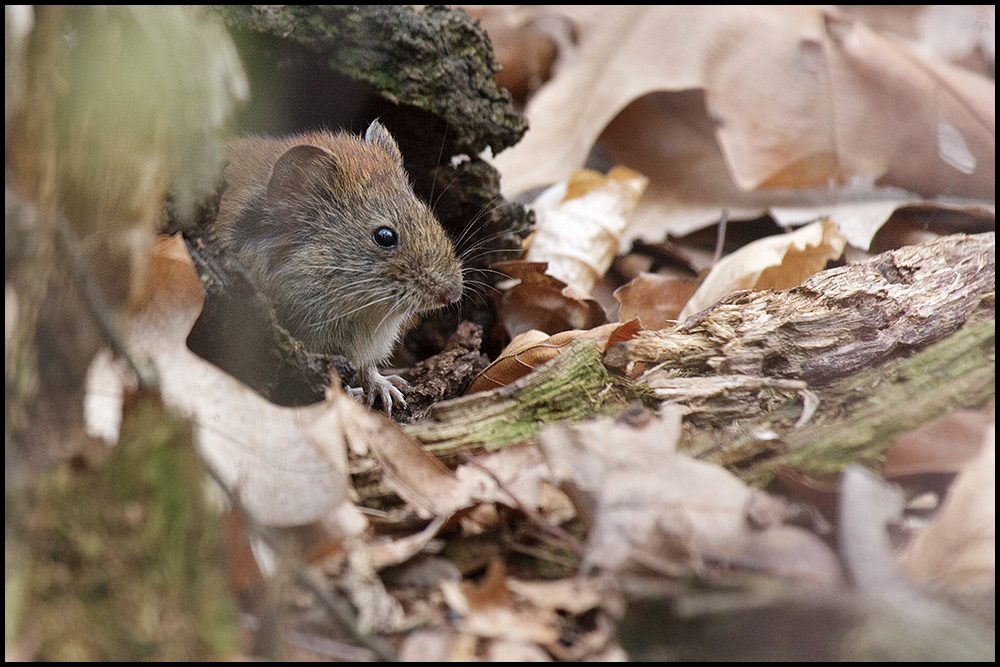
column 386, row 237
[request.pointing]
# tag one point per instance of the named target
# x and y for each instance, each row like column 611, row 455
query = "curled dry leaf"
column 419, row 478
column 286, row 469
column 775, row 262
column 535, row 614
column 581, row 222
column 536, row 300
column 490, row 609
column 957, row 550
column 650, row 508
column 862, row 215
column 714, row 104
column 655, row 300
column 533, row 348
column 867, row 505
column 690, row 185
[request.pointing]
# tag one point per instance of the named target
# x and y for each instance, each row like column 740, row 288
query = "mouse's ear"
column 379, row 136
column 295, row 170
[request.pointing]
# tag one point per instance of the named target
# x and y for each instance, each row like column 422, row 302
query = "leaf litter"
column 635, row 504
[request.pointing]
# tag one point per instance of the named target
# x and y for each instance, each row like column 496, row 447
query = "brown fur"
column 304, row 231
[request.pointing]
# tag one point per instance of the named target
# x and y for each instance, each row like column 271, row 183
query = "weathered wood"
column 865, row 413
column 748, row 365
column 837, row 322
column 574, row 385
column 436, row 59
column 856, row 420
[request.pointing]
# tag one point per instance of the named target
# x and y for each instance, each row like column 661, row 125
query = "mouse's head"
column 355, row 250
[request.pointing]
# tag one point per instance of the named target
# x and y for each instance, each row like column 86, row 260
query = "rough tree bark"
column 838, row 321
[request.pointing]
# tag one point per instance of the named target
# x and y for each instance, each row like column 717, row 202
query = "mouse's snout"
column 450, row 294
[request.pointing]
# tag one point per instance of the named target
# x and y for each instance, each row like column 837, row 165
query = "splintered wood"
column 838, row 321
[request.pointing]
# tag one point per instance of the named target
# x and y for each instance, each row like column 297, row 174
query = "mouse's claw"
column 386, row 388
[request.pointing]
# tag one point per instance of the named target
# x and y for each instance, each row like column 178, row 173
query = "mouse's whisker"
column 342, row 315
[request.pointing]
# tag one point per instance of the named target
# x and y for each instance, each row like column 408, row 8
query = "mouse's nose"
column 450, row 295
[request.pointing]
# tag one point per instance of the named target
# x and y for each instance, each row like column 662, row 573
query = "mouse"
column 331, row 233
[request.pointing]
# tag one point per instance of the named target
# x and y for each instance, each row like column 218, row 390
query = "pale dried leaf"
column 775, row 262
column 961, row 34
column 507, row 650
column 428, row 646
column 867, row 505
column 262, row 451
column 712, row 104
column 387, row 554
column 580, row 223
column 865, row 211
column 419, row 478
column 650, row 508
column 690, row 186
column 920, row 223
column 377, row 611
column 817, row 107
column 520, row 469
column 957, row 550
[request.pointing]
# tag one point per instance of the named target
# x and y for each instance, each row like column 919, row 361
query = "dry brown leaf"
column 533, row 348
column 957, row 550
column 655, row 300
column 581, row 222
column 731, row 99
column 690, row 185
column 650, row 508
column 419, row 478
column 267, row 454
column 946, row 445
column 522, row 616
column 490, row 609
column 825, row 100
column 775, row 262
column 537, row 300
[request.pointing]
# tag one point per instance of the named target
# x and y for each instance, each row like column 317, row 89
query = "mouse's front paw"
column 385, row 387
